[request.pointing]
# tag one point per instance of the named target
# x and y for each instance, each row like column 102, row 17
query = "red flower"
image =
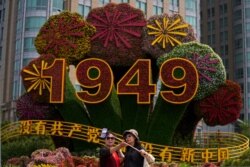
column 27, row 108
column 223, row 106
column 118, row 37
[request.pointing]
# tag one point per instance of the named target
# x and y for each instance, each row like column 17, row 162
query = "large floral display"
column 151, row 75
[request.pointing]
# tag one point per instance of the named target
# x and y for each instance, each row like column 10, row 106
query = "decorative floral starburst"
column 34, row 83
column 113, row 27
column 164, row 32
column 118, row 35
column 36, row 79
column 204, row 64
column 65, row 35
column 223, row 106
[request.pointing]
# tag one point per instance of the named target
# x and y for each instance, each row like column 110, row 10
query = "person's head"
column 109, row 140
column 131, row 137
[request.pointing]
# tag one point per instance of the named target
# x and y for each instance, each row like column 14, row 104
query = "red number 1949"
column 96, row 74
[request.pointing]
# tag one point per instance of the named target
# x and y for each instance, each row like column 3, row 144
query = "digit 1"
column 56, row 74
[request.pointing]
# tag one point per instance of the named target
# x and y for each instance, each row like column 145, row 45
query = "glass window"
column 210, row 2
column 248, row 42
column 3, row 14
column 223, row 22
column 248, row 27
column 26, row 61
column 191, row 20
column 174, row 6
column 226, row 49
column 34, row 23
column 36, row 4
column 247, row 12
column 142, row 4
column 208, row 13
column 1, row 38
column 174, row 3
column 222, row 50
column 238, row 44
column 212, row 12
column 57, row 5
column 239, row 73
column 238, row 29
column 237, row 15
column 190, row 5
column 19, row 4
column 237, row 2
column 248, row 74
column 247, row 1
column 83, row 10
column 0, row 53
column 103, row 2
column 248, row 56
column 157, row 10
column 239, row 58
column 248, row 89
column 157, row 7
column 123, row 1
column 223, row 9
column 29, row 44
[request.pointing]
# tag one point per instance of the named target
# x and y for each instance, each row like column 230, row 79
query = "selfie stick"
column 104, row 133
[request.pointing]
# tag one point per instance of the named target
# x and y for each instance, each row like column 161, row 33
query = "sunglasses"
column 110, row 138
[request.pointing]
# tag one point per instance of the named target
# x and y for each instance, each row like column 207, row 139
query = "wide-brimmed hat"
column 132, row 131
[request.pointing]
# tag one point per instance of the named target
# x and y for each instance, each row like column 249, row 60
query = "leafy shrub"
column 24, row 145
column 244, row 160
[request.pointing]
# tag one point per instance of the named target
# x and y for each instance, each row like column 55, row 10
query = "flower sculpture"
column 27, row 108
column 210, row 67
column 119, row 33
column 164, row 32
column 35, row 84
column 223, row 106
column 65, row 35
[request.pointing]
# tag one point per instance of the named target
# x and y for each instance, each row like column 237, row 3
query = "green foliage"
column 213, row 64
column 244, row 160
column 245, row 129
column 24, row 145
column 165, row 119
column 106, row 114
column 72, row 110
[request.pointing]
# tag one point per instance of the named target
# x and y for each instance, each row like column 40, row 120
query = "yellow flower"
column 36, row 78
column 165, row 32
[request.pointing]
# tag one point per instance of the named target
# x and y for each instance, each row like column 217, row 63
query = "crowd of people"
column 135, row 155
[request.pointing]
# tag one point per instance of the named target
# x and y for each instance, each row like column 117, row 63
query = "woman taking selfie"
column 135, row 156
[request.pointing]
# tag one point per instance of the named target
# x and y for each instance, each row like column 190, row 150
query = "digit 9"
column 188, row 82
column 94, row 74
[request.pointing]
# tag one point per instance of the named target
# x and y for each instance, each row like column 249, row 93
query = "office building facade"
column 22, row 19
column 225, row 26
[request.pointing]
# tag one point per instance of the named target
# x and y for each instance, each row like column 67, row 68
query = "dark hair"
column 108, row 133
column 136, row 145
